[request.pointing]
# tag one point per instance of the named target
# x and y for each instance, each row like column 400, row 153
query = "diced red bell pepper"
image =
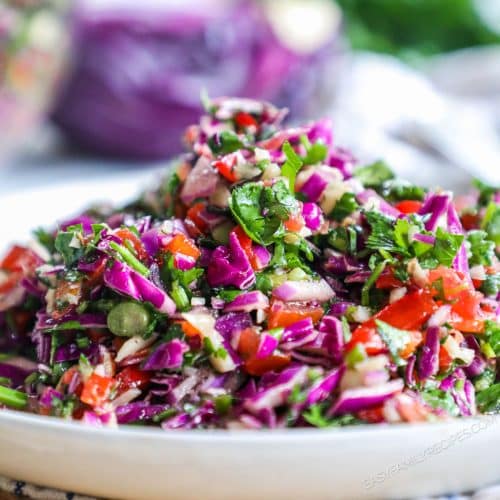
column 388, row 280
column 274, row 362
column 453, row 282
column 408, row 313
column 96, row 390
column 227, row 171
column 282, row 314
column 409, row 206
column 182, row 244
column 20, row 259
column 244, row 120
column 194, row 215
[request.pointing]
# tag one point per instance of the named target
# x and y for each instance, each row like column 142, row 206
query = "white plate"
column 142, row 463
column 360, row 463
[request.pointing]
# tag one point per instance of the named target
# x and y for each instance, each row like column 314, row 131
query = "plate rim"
column 240, row 435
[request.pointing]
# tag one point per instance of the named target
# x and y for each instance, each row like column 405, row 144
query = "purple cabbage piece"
column 233, row 322
column 90, row 267
column 428, row 364
column 86, row 320
column 229, row 266
column 151, row 241
column 184, row 262
column 321, row 131
column 435, row 205
column 314, row 187
column 276, row 394
column 340, row 264
column 304, row 291
column 313, row 216
column 323, row 388
column 334, row 337
column 16, row 374
column 342, row 160
column 267, row 345
column 138, row 412
column 338, row 309
column 167, row 356
column 353, row 400
column 369, row 196
column 249, row 301
column 85, row 220
column 410, row 371
column 425, row 238
column 460, row 262
column 48, row 396
column 126, row 281
column 478, row 364
column 262, row 255
column 298, row 334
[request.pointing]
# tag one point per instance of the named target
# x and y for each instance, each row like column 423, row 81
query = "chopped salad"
column 269, row 281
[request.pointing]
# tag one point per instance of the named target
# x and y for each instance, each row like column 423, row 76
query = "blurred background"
column 96, row 90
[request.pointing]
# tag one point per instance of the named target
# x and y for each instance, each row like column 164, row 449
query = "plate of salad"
column 271, row 319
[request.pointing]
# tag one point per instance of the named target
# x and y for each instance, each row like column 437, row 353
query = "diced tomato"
column 467, row 315
column 96, row 390
column 454, row 282
column 367, row 335
column 194, row 214
column 388, row 280
column 248, row 343
column 408, row 313
column 412, row 410
column 445, row 360
column 244, row 120
column 68, row 375
column 226, row 171
column 274, row 362
column 284, row 314
column 470, row 221
column 96, row 335
column 372, row 415
column 127, row 235
column 20, row 259
column 409, row 206
column 182, row 244
column 132, row 378
column 295, row 223
column 8, row 282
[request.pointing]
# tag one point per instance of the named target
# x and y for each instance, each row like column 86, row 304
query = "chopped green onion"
column 12, row 398
column 129, row 258
column 128, row 319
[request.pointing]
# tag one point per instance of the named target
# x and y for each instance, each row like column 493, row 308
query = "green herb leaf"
column 68, row 244
column 446, row 246
column 395, row 339
column 291, row 166
column 481, row 249
column 374, row 175
column 226, row 142
column 438, row 399
column 344, row 207
column 261, row 210
column 488, row 401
